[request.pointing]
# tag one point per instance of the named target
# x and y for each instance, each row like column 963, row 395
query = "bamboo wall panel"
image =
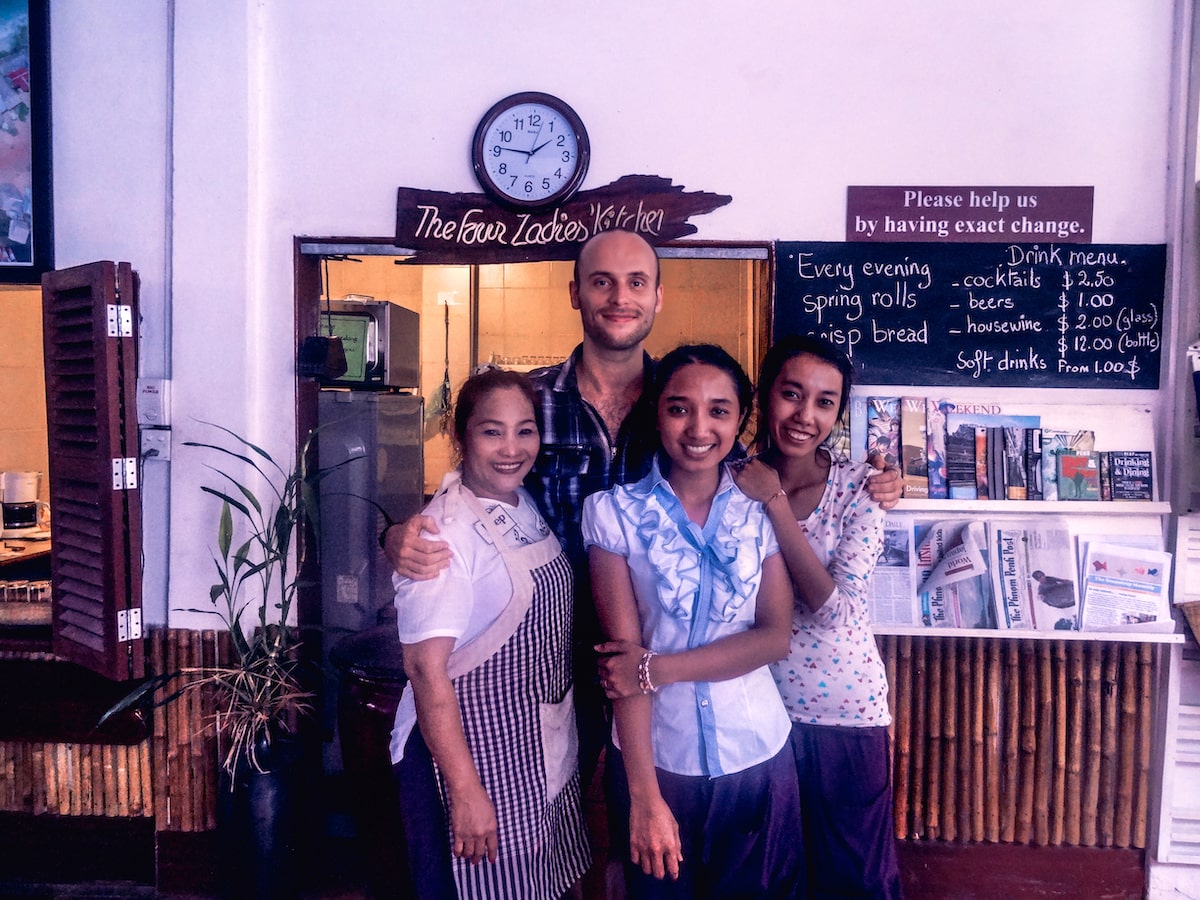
column 1031, row 742
column 171, row 776
column 994, row 740
column 73, row 779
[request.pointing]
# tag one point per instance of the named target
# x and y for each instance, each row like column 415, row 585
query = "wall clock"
column 530, row 151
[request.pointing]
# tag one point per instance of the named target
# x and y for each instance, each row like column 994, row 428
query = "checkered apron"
column 518, row 718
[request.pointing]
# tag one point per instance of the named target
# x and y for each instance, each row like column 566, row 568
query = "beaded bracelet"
column 644, row 682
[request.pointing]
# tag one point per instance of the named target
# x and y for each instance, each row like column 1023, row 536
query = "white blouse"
column 467, row 596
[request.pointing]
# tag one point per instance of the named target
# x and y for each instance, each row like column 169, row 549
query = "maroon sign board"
column 1023, row 215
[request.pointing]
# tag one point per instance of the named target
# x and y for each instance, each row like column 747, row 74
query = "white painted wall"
column 198, row 152
column 780, row 105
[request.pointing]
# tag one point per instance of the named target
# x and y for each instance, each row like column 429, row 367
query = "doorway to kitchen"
column 517, row 316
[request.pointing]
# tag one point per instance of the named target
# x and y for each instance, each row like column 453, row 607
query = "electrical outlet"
column 156, row 443
column 154, row 402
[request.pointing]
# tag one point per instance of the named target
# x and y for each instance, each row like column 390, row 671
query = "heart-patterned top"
column 833, row 674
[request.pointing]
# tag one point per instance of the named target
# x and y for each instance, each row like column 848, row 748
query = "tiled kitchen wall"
column 22, row 384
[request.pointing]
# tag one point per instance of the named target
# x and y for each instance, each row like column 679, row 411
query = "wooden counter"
column 25, row 559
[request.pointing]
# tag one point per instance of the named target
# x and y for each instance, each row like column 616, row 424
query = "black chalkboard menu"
column 1005, row 315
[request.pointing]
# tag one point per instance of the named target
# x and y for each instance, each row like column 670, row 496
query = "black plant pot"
column 258, row 824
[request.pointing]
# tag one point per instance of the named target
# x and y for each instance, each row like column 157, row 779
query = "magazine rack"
column 1119, row 422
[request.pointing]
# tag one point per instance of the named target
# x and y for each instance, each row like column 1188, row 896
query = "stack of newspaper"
column 1016, row 575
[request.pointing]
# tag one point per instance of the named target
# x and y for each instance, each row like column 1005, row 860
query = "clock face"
column 530, row 150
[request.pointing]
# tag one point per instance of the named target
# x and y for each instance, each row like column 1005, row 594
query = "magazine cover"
column 1033, row 464
column 883, row 428
column 1054, row 441
column 960, row 463
column 838, row 442
column 1131, row 473
column 935, row 448
column 858, row 428
column 914, row 464
column 1015, row 483
column 1078, row 475
column 983, row 472
column 997, row 463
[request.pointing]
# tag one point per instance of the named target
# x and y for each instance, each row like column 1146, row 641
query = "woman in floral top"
column 833, row 681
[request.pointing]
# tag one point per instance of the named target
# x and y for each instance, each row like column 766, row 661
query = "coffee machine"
column 24, row 514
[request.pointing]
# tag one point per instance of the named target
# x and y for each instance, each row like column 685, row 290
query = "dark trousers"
column 846, row 801
column 740, row 833
column 593, row 717
column 425, row 828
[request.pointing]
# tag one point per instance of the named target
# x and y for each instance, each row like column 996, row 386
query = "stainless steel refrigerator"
column 373, row 441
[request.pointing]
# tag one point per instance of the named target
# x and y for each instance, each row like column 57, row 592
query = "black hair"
column 790, row 347
column 587, row 243
column 709, row 355
column 478, row 386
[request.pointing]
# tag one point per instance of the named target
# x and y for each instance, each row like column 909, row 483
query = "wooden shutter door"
column 89, row 326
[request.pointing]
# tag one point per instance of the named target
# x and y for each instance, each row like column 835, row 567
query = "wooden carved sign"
column 469, row 228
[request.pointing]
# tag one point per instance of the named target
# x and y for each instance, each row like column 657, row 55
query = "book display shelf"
column 990, row 562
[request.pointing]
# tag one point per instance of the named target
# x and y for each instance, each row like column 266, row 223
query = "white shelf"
column 1132, row 637
column 1039, row 507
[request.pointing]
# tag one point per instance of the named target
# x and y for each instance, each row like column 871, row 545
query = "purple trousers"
column 845, row 780
column 740, row 832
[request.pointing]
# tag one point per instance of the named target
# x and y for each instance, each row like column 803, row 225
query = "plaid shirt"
column 578, row 457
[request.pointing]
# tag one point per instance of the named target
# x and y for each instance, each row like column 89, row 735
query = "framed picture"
column 26, row 186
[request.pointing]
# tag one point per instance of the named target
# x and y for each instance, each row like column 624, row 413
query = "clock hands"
column 529, row 153
column 538, row 146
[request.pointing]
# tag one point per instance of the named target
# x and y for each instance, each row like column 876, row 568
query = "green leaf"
column 283, row 529
column 242, row 556
column 132, row 698
column 249, row 495
column 225, row 530
column 226, row 498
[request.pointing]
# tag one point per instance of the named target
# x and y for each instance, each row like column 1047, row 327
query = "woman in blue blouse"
column 694, row 596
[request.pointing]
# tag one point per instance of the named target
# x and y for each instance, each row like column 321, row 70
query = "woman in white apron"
column 484, row 743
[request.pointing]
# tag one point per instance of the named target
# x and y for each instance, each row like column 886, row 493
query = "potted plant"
column 259, row 693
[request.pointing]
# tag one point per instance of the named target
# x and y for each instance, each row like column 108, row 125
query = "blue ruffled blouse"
column 693, row 585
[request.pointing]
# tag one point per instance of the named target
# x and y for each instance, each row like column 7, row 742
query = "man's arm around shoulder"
column 412, row 555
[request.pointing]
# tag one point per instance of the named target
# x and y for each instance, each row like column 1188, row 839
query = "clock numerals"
column 530, row 150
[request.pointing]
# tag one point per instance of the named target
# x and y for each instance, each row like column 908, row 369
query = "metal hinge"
column 129, row 625
column 124, row 473
column 120, row 320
